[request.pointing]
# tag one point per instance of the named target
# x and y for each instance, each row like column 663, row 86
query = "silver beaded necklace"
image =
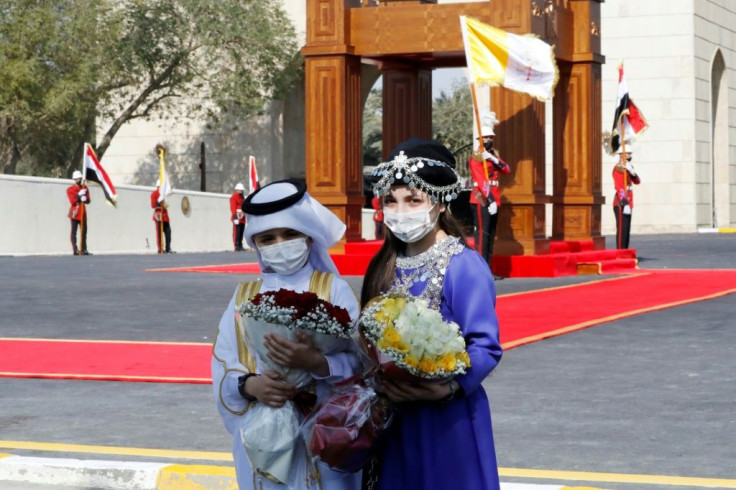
column 430, row 267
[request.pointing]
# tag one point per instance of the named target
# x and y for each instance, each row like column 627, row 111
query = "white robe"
column 226, row 368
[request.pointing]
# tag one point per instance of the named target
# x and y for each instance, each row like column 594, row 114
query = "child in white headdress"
column 291, row 232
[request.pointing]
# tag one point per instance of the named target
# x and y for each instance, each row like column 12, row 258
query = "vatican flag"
column 521, row 63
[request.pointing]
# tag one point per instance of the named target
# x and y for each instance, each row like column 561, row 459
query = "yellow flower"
column 427, row 366
column 400, row 346
column 391, row 335
column 447, row 362
column 464, row 357
column 411, row 361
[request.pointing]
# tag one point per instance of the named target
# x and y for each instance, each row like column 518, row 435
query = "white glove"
column 236, row 222
column 160, row 198
column 83, row 199
column 493, row 208
column 627, row 209
column 82, row 192
column 630, row 168
column 487, row 155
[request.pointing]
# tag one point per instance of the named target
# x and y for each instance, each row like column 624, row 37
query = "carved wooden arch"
column 410, row 38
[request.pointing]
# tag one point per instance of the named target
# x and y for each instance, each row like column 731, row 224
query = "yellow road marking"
column 196, row 477
column 684, row 481
column 120, row 451
column 226, row 471
column 3, row 455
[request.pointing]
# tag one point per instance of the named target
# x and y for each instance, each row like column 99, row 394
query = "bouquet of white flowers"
column 271, row 435
column 407, row 334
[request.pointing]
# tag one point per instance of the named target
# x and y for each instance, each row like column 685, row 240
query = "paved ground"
column 652, row 394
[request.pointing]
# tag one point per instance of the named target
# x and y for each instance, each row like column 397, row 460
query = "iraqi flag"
column 628, row 121
column 252, row 175
column 93, row 172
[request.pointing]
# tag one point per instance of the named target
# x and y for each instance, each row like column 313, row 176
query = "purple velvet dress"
column 432, row 446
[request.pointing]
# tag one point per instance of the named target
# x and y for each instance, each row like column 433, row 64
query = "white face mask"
column 411, row 227
column 286, row 257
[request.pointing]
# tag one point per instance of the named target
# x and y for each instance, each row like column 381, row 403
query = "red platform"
column 567, row 258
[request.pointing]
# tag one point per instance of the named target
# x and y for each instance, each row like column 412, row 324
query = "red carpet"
column 105, row 360
column 524, row 317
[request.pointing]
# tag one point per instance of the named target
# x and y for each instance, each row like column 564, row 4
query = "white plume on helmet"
column 76, row 175
column 239, row 186
column 487, row 121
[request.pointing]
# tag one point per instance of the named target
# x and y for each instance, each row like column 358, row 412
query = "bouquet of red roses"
column 269, row 435
column 343, row 429
column 284, row 312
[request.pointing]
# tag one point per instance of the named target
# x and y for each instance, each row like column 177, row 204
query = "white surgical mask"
column 410, row 227
column 286, row 257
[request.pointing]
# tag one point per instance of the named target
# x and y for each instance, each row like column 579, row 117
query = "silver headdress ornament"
column 403, row 170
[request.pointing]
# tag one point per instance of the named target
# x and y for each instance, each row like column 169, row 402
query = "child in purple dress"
column 442, row 437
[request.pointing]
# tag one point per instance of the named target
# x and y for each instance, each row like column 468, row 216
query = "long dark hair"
column 382, row 268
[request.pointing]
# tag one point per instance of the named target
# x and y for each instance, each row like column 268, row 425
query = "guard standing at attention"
column 237, row 216
column 485, row 167
column 79, row 197
column 161, row 219
column 624, row 176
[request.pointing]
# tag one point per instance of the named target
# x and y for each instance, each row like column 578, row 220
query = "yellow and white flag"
column 164, row 184
column 521, row 63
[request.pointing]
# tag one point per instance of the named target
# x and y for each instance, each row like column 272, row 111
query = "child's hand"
column 270, row 389
column 300, row 354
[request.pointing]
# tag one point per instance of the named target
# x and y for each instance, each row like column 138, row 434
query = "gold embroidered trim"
column 321, row 284
column 246, row 291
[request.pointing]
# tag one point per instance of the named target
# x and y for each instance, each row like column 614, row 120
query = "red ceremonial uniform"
column 624, row 191
column 158, row 207
column 236, row 204
column 77, row 211
column 485, row 177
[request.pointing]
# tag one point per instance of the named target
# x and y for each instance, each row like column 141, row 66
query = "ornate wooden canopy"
column 407, row 39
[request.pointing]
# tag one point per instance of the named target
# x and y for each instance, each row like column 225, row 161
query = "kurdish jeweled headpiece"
column 426, row 165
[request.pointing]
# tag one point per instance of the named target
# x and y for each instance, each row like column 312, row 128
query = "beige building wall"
column 669, row 48
column 35, row 219
column 715, row 107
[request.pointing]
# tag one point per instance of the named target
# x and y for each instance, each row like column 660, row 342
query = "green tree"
column 373, row 128
column 452, row 117
column 80, row 61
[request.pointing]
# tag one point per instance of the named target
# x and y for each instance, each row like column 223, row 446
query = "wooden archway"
column 407, row 39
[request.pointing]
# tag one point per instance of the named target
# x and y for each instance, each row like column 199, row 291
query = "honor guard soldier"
column 238, row 216
column 79, row 197
column 624, row 176
column 161, row 219
column 485, row 167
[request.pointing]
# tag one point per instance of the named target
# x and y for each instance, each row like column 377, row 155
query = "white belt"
column 494, row 183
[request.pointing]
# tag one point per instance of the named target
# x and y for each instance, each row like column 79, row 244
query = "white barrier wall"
column 33, row 219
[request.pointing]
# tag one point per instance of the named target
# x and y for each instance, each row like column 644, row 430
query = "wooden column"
column 520, row 141
column 577, row 132
column 333, row 115
column 407, row 105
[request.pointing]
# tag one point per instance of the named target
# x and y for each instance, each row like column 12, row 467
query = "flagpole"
column 626, row 193
column 83, row 209
column 161, row 158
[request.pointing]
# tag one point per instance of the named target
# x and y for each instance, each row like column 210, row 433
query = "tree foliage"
column 74, row 62
column 452, row 117
column 373, row 128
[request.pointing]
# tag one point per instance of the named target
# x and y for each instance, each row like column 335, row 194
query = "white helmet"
column 158, row 182
column 487, row 131
column 239, row 187
column 76, row 175
column 487, row 121
column 620, row 149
